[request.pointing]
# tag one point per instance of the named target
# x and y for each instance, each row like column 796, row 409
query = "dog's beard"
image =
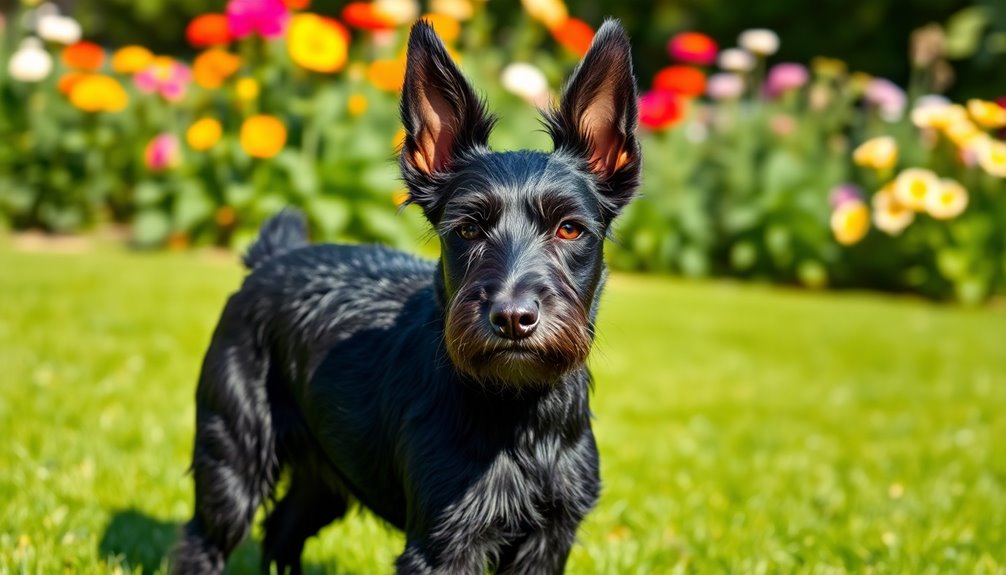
column 559, row 344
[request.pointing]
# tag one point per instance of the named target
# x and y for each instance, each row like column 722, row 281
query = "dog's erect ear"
column 597, row 115
column 442, row 115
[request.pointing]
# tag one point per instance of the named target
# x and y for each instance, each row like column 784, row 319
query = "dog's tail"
column 281, row 233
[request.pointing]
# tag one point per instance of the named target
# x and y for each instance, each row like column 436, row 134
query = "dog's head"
column 521, row 233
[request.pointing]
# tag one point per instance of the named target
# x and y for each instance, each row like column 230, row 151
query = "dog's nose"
column 514, row 319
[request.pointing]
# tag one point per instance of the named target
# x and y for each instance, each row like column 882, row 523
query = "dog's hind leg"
column 309, row 505
column 233, row 461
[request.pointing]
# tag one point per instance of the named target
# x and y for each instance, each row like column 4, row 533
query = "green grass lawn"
column 742, row 429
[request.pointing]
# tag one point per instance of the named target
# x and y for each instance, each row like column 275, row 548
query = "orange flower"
column 357, row 105
column 131, row 59
column 263, row 136
column 366, row 16
column 98, row 93
column 203, row 134
column 68, row 81
column 573, row 34
column 446, row 27
column 683, row 80
column 693, row 48
column 387, row 75
column 213, row 66
column 208, row 30
column 225, row 216
column 297, row 4
column 318, row 44
column 86, row 56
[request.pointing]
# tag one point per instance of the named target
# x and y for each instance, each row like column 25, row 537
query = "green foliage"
column 741, row 429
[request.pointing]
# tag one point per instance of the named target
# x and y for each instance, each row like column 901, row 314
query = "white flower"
column 759, row 41
column 526, row 81
column 736, row 60
column 31, row 63
column 947, row 201
column 59, row 29
column 725, row 86
column 401, row 11
column 890, row 216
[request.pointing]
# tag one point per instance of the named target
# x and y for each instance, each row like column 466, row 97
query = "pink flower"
column 162, row 152
column 165, row 76
column 844, row 193
column 888, row 97
column 785, row 77
column 267, row 18
column 659, row 109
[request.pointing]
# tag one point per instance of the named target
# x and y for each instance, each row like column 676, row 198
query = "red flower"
column 297, row 4
column 208, row 30
column 574, row 34
column 83, row 56
column 366, row 16
column 683, row 80
column 659, row 109
column 693, row 48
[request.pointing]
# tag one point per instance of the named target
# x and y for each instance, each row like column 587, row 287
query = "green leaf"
column 329, row 214
column 964, row 31
column 150, row 228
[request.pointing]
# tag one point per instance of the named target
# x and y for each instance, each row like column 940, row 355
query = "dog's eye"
column 569, row 231
column 469, row 232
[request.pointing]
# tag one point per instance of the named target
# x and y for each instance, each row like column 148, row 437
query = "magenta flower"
column 267, row 18
column 162, row 152
column 165, row 76
column 844, row 193
column 785, row 77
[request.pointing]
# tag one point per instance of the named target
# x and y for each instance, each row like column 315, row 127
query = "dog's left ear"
column 442, row 115
column 597, row 115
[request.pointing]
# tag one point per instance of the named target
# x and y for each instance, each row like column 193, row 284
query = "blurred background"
column 799, row 364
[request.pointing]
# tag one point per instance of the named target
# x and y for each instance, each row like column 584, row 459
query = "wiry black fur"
column 376, row 377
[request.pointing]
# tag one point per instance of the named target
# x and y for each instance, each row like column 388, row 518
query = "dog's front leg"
column 422, row 558
column 542, row 552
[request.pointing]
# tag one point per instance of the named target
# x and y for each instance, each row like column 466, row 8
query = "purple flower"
column 888, row 97
column 267, row 18
column 785, row 77
column 844, row 193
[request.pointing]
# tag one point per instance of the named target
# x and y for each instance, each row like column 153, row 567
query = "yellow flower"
column 987, row 114
column 850, row 221
column 131, row 59
column 357, row 104
column 913, row 186
column 458, row 9
column 991, row 156
column 446, row 27
column 263, row 136
column 961, row 132
column 316, row 43
column 203, row 134
column 889, row 215
column 247, row 89
column 879, row 153
column 398, row 140
column 551, row 13
column 400, row 197
column 97, row 93
column 947, row 200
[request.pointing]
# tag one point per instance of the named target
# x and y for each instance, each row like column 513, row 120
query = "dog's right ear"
column 443, row 117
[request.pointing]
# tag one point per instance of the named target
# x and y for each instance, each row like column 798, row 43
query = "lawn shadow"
column 142, row 541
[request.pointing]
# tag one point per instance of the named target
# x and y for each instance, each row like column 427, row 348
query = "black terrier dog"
column 450, row 398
